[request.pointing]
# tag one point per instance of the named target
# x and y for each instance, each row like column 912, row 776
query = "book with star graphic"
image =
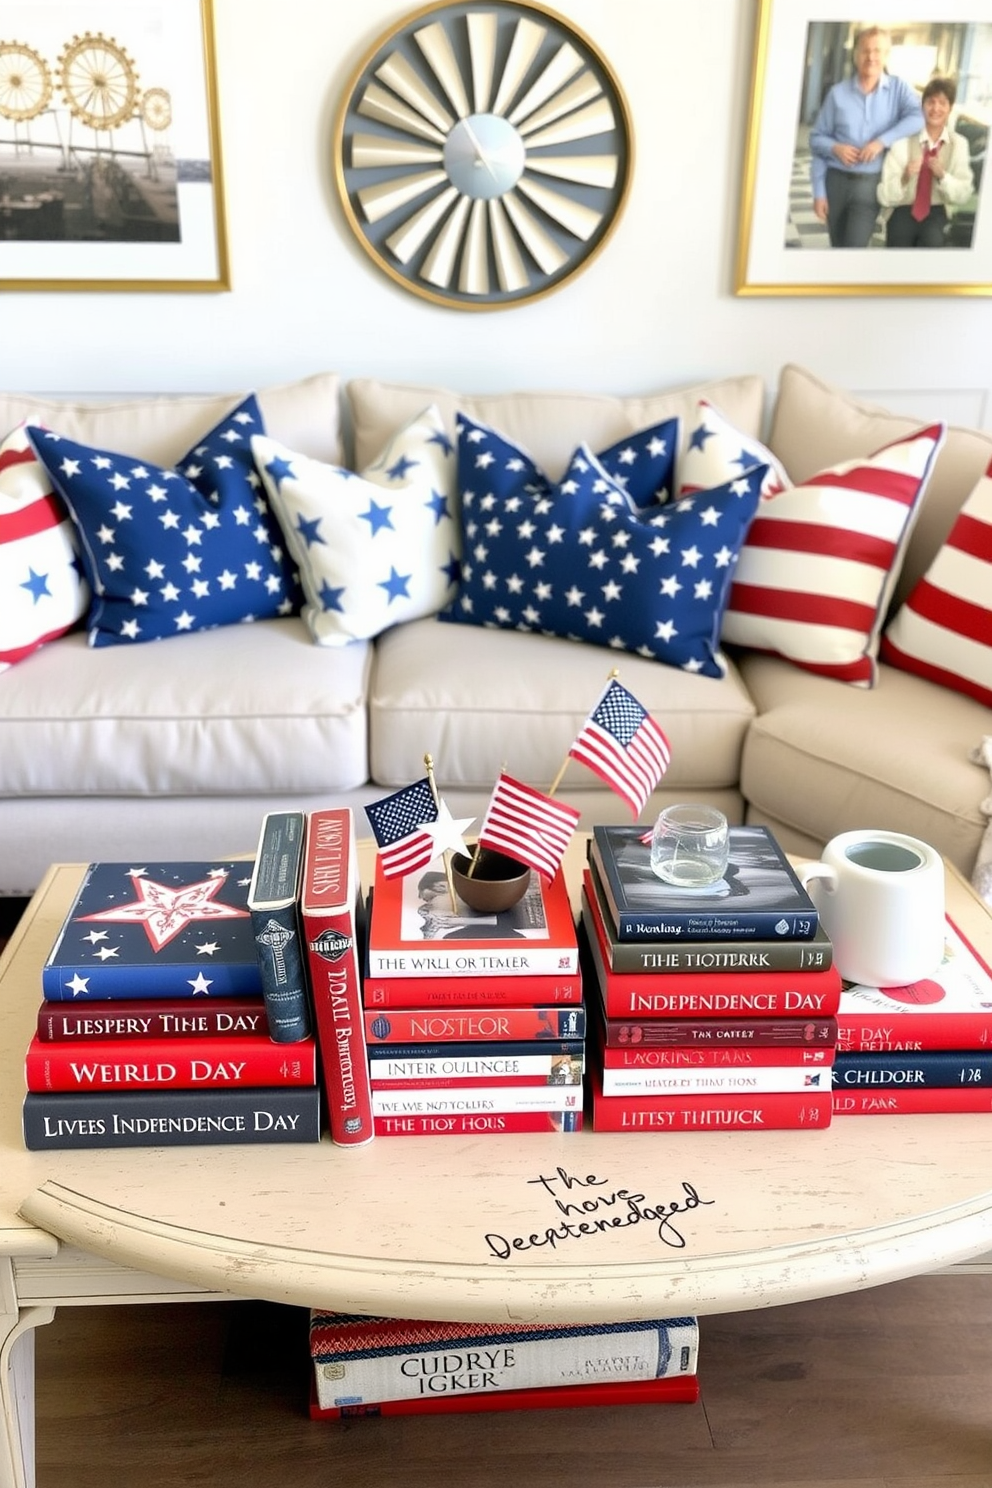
column 177, row 929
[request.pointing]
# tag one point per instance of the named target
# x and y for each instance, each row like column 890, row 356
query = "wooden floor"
column 889, row 1388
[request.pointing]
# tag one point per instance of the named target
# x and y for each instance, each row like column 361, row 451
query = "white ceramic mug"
column 881, row 901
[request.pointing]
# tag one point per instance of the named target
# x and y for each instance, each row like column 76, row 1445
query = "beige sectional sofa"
column 175, row 748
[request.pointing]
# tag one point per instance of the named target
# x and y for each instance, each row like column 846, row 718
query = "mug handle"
column 807, row 872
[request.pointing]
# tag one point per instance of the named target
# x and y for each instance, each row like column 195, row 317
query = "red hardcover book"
column 777, row 1033
column 156, row 1018
column 460, row 1024
column 328, row 902
column 952, row 1009
column 416, row 931
column 768, row 1111
column 169, row 1064
column 469, row 991
column 464, row 1124
column 796, row 994
column 708, row 1057
column 943, row 1099
column 681, row 1389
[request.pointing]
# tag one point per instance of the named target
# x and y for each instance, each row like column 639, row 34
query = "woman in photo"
column 926, row 175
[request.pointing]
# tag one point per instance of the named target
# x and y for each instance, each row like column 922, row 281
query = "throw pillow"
column 575, row 561
column 817, row 570
column 944, row 630
column 716, row 452
column 42, row 591
column 167, row 551
column 642, row 465
column 373, row 550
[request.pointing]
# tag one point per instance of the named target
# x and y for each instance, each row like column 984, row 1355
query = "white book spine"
column 767, row 1077
column 622, row 1352
column 477, row 1100
column 475, row 1067
column 440, row 961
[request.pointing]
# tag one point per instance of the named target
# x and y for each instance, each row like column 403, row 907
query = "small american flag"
column 525, row 824
column 621, row 743
column 398, row 823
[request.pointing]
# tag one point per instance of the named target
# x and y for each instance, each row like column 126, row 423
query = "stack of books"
column 375, row 1366
column 716, row 1006
column 925, row 1047
column 474, row 1023
column 152, row 1030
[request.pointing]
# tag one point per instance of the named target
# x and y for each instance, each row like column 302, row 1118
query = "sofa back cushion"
column 549, row 425
column 302, row 414
column 815, row 425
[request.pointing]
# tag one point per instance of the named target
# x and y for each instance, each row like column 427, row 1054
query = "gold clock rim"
column 354, row 222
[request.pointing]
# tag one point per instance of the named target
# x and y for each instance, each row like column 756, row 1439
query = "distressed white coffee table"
column 462, row 1228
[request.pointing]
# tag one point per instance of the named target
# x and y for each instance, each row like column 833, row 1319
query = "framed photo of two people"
column 866, row 151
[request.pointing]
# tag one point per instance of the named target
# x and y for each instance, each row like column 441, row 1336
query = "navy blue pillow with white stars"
column 574, row 561
column 171, row 551
column 641, row 464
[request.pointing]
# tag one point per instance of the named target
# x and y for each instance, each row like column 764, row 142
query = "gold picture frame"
column 801, row 50
column 110, row 160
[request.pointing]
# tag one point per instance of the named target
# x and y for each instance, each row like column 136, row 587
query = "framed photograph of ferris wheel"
column 110, row 161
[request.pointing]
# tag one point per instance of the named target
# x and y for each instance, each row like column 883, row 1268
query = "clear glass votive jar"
column 690, row 845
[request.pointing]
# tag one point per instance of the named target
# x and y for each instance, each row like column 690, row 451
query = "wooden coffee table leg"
column 17, row 1386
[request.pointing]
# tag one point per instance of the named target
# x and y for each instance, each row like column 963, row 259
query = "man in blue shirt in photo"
column 859, row 119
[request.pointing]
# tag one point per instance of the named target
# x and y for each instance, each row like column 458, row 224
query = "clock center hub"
column 484, row 156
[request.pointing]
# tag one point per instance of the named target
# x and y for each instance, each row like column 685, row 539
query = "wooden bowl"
column 496, row 883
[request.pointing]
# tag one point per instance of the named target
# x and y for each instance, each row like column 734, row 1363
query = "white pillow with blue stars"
column 374, row 550
column 716, row 452
column 641, row 465
column 171, row 551
column 575, row 561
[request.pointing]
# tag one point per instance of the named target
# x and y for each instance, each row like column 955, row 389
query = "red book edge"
column 679, row 1389
column 46, row 1061
column 50, row 1014
column 327, row 906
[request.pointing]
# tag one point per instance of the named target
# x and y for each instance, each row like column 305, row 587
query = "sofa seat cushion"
column 827, row 758
column 550, row 426
column 247, row 709
column 478, row 700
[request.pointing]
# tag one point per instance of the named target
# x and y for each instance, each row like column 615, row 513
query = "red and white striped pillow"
column 820, row 560
column 42, row 591
column 944, row 630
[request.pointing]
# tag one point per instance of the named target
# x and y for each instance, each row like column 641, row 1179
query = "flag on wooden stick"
column 621, row 743
column 527, row 825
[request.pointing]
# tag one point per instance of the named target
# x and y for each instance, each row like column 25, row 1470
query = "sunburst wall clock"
column 483, row 152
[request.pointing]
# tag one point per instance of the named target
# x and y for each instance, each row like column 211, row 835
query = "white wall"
column 654, row 310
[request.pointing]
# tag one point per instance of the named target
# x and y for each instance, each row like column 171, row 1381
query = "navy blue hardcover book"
column 913, row 1069
column 156, row 930
column 170, row 1118
column 273, row 899
column 759, row 896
